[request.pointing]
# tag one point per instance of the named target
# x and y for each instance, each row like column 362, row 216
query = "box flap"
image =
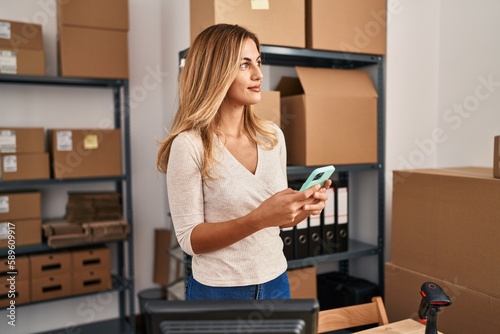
column 289, row 86
column 335, row 82
column 468, row 172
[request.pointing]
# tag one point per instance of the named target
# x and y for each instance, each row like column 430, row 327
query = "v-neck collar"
column 236, row 161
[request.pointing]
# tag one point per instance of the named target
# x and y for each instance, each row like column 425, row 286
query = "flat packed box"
column 98, row 258
column 445, row 223
column 91, row 281
column 20, row 205
column 20, row 296
column 22, row 61
column 470, row 312
column 22, row 140
column 20, row 265
column 80, row 153
column 50, row 264
column 94, row 53
column 269, row 107
column 20, row 35
column 27, row 232
column 51, row 287
column 496, row 158
column 24, row 166
column 303, row 283
column 358, row 26
column 329, row 116
column 109, row 14
column 275, row 22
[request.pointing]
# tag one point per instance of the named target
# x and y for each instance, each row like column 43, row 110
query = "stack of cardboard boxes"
column 21, row 48
column 445, row 229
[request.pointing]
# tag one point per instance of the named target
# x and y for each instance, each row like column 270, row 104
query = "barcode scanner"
column 433, row 298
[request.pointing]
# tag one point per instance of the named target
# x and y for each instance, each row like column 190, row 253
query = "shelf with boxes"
column 111, row 142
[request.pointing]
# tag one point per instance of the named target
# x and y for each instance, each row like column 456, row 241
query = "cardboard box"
column 445, row 224
column 496, row 158
column 22, row 61
column 80, row 153
column 470, row 311
column 50, row 264
column 18, row 293
column 24, row 166
column 357, row 26
column 91, row 281
column 161, row 273
column 27, row 232
column 269, row 107
column 109, row 14
column 92, row 259
column 51, row 287
column 275, row 22
column 22, row 140
column 16, row 35
column 21, row 266
column 303, row 283
column 329, row 116
column 21, row 205
column 94, row 53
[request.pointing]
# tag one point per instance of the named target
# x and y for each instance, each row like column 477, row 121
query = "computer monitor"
column 280, row 316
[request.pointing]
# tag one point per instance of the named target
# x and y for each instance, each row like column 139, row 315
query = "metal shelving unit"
column 123, row 279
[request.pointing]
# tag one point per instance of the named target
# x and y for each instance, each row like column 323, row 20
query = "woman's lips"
column 255, row 88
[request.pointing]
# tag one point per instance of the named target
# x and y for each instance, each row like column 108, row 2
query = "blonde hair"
column 210, row 67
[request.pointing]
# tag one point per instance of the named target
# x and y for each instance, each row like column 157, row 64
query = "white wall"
column 437, row 53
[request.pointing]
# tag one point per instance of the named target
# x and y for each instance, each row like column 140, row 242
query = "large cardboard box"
column 22, row 61
column 22, row 140
column 445, row 224
column 275, row 22
column 97, row 258
column 269, row 107
column 496, row 157
column 50, row 264
column 470, row 312
column 50, row 287
column 26, row 232
column 80, row 153
column 94, row 53
column 303, row 283
column 24, row 166
column 20, row 35
column 329, row 116
column 109, row 14
column 88, row 281
column 357, row 26
column 21, row 205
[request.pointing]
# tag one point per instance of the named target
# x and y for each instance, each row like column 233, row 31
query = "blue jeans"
column 278, row 288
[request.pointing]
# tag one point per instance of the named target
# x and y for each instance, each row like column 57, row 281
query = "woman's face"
column 245, row 89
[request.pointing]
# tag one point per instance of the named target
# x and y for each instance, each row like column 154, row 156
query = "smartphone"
column 318, row 176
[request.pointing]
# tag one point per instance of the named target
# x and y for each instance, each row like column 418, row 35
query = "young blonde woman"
column 226, row 173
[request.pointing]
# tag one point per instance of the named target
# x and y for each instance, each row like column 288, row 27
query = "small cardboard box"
column 94, row 53
column 18, row 293
column 303, row 283
column 109, row 14
column 275, row 22
column 329, row 116
column 357, row 26
column 21, row 266
column 22, row 140
column 50, row 264
column 496, row 158
column 80, row 153
column 24, row 166
column 22, row 205
column 20, row 35
column 22, row 61
column 88, row 281
column 269, row 107
column 51, row 287
column 470, row 311
column 91, row 259
column 445, row 223
column 27, row 232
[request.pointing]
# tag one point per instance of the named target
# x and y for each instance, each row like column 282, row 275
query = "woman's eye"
column 244, row 66
column 259, row 63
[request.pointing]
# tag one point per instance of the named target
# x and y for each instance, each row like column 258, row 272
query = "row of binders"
column 323, row 234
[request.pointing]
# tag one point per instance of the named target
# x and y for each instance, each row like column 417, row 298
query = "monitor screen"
column 281, row 316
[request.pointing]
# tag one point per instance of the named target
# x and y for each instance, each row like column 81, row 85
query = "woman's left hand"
column 320, row 197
